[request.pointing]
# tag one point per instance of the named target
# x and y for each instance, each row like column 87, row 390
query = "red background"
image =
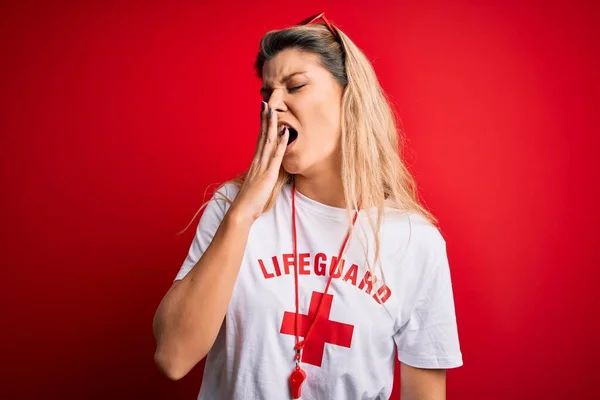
column 115, row 117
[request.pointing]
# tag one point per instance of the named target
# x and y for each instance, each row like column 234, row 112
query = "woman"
column 311, row 270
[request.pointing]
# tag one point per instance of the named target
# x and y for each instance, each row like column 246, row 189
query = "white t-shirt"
column 351, row 354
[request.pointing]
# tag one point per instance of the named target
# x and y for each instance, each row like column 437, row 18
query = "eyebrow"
column 285, row 79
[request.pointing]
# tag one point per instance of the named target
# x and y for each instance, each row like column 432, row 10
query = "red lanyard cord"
column 300, row 344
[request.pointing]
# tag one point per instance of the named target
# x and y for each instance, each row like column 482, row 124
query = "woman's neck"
column 325, row 188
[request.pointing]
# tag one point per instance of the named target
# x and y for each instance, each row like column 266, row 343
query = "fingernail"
column 270, row 112
column 262, row 106
column 283, row 131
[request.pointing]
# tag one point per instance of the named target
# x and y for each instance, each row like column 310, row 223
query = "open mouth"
column 293, row 135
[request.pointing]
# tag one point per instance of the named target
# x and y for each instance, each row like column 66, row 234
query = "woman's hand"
column 264, row 170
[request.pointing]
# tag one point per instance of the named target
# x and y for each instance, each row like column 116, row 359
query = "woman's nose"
column 276, row 101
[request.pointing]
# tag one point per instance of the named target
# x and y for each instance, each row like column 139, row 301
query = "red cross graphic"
column 323, row 331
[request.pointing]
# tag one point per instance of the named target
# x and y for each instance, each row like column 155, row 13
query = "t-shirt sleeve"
column 430, row 337
column 207, row 227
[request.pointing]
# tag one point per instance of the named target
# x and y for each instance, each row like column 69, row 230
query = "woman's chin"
column 291, row 165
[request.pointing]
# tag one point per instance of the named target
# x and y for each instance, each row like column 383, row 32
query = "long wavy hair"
column 372, row 168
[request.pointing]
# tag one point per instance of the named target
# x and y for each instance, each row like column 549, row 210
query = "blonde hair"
column 372, row 169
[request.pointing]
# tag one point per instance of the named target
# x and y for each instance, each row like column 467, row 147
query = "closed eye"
column 266, row 93
column 295, row 88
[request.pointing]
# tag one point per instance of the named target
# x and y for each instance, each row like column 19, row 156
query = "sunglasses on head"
column 321, row 16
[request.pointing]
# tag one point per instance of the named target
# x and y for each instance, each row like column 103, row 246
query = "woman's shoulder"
column 415, row 229
column 224, row 194
column 228, row 189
